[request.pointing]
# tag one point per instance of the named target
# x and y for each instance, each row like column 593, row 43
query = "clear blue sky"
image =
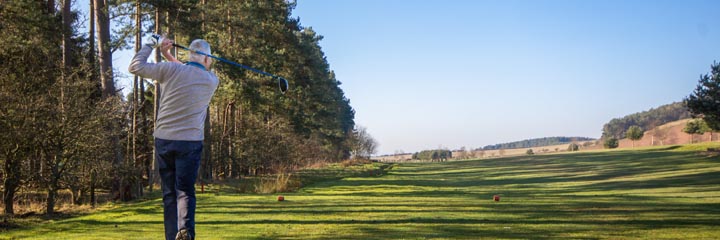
column 424, row 74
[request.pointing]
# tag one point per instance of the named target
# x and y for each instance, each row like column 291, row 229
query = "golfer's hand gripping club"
column 155, row 40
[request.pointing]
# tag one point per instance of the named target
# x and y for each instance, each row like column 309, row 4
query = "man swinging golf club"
column 186, row 93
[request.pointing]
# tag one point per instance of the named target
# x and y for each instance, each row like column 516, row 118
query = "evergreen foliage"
column 63, row 125
column 634, row 133
column 52, row 134
column 705, row 100
column 433, row 155
column 537, row 142
column 611, row 143
column 646, row 120
column 696, row 126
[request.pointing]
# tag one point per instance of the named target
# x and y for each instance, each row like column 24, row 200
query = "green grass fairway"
column 651, row 193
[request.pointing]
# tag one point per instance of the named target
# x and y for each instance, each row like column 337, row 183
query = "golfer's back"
column 185, row 92
column 184, row 97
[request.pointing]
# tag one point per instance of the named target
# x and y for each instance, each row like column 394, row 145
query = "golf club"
column 282, row 82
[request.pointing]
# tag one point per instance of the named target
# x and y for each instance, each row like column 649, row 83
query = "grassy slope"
column 650, row 193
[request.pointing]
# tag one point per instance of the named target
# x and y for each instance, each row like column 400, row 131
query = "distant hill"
column 669, row 134
column 537, row 142
column 646, row 120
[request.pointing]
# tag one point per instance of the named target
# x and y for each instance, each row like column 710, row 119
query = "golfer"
column 186, row 93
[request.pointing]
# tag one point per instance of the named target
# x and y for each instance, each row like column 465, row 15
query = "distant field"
column 650, row 193
column 667, row 134
column 499, row 152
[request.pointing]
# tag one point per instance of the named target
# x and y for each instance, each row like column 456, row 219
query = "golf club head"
column 283, row 84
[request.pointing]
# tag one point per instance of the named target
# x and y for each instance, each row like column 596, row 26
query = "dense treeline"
column 536, row 142
column 649, row 119
column 57, row 129
column 433, row 155
column 65, row 127
column 254, row 128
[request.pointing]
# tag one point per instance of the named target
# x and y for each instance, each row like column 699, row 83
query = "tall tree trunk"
column 102, row 18
column 243, row 167
column 74, row 196
column 51, row 7
column 137, row 164
column 66, row 50
column 91, row 47
column 202, row 16
column 169, row 29
column 50, row 210
column 91, row 59
column 158, row 12
column 231, row 143
column 103, row 33
column 10, row 183
column 54, row 161
column 93, row 199
column 9, row 196
column 135, row 99
column 205, row 165
column 152, row 178
column 91, row 33
column 217, row 166
column 652, row 140
column 82, row 196
column 225, row 142
column 53, row 182
column 144, row 133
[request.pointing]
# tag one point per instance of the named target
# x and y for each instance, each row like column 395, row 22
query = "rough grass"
column 649, row 193
column 291, row 182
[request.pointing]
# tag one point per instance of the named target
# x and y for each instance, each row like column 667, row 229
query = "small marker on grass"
column 281, row 198
column 496, row 198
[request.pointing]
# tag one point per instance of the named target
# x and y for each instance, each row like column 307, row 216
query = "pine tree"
column 705, row 100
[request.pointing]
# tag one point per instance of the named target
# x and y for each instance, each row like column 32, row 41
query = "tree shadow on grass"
column 543, row 197
column 707, row 179
column 621, row 206
column 540, row 170
column 470, row 228
column 603, row 210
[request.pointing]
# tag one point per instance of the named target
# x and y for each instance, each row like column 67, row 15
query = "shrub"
column 573, row 147
column 611, row 143
column 282, row 182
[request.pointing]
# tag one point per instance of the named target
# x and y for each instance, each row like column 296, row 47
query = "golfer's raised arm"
column 165, row 50
column 141, row 67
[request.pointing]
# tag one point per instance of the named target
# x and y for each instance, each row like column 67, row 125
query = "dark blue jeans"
column 179, row 162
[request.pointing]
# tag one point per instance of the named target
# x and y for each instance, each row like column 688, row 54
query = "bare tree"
column 363, row 145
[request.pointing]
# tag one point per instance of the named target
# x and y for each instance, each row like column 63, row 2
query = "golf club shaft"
column 282, row 82
column 226, row 61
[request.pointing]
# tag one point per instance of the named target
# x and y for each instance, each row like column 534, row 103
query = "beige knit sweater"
column 185, row 93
